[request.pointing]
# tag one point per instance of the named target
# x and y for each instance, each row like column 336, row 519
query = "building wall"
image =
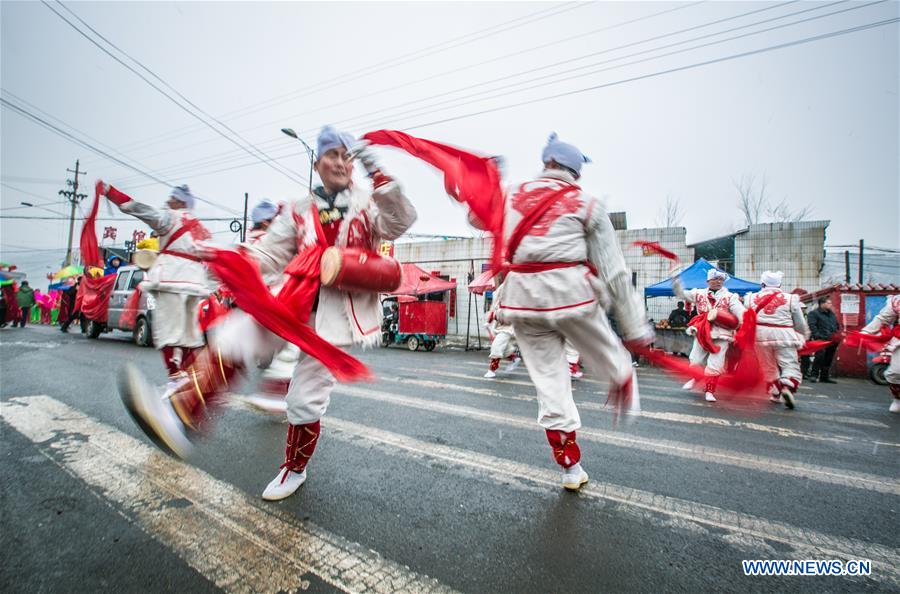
column 649, row 270
column 797, row 249
column 457, row 258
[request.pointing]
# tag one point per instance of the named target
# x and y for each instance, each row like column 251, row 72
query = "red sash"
column 185, row 228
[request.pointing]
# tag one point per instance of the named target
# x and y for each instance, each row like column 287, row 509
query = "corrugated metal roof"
column 862, row 287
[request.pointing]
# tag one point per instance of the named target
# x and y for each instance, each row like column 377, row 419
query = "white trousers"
column 715, row 362
column 779, row 363
column 542, row 344
column 175, row 320
column 241, row 338
column 892, row 375
column 503, row 345
column 572, row 356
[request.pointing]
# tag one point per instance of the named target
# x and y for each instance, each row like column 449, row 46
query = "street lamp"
column 311, row 153
column 26, row 203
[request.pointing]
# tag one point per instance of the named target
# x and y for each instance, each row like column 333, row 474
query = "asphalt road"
column 436, row 479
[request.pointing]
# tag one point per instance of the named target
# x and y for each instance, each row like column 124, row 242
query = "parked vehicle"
column 416, row 324
column 127, row 280
column 878, row 366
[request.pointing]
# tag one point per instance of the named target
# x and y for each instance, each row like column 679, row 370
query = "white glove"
column 362, row 151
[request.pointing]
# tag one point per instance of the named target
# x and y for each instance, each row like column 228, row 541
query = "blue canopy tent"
column 694, row 277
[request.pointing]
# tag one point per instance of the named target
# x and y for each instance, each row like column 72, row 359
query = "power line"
column 288, row 174
column 454, row 103
column 418, row 111
column 26, row 192
column 121, row 219
column 386, row 64
column 419, row 81
column 662, row 72
column 73, row 128
column 29, row 180
column 59, row 131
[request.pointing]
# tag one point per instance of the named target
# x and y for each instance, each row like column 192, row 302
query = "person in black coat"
column 824, row 325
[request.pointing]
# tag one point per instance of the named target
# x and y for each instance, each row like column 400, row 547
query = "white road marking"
column 214, row 527
column 845, row 478
column 742, row 530
column 659, row 416
column 687, row 400
column 655, row 378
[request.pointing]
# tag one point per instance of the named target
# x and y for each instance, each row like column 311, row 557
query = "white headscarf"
column 183, row 193
column 771, row 279
column 567, row 155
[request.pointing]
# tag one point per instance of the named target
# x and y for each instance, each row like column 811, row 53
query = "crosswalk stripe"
column 845, row 478
column 214, row 527
column 687, row 400
column 749, row 531
column 659, row 416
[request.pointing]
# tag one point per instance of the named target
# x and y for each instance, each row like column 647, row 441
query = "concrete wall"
column 457, row 258
column 797, row 249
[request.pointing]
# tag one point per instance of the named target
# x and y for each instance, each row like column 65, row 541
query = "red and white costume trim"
column 342, row 318
column 889, row 316
column 566, row 270
column 177, row 281
column 781, row 329
column 706, row 300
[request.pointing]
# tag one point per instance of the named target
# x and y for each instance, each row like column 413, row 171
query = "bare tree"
column 752, row 198
column 670, row 215
column 757, row 207
column 782, row 213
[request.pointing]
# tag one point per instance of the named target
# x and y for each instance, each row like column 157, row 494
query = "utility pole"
column 244, row 226
column 862, row 249
column 74, row 198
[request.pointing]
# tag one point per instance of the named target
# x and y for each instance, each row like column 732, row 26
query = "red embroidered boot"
column 711, row 383
column 167, row 421
column 788, row 388
column 299, row 448
column 568, row 455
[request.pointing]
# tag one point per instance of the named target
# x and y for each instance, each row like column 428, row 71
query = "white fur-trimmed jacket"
column 781, row 322
column 724, row 299
column 343, row 318
column 579, row 230
column 171, row 273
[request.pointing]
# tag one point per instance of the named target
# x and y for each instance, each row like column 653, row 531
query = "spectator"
column 824, row 325
column 679, row 317
column 74, row 309
column 112, row 265
column 25, row 299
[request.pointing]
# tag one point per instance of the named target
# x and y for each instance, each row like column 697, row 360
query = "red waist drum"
column 356, row 269
column 723, row 319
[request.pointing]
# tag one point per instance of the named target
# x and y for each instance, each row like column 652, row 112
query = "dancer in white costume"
column 338, row 214
column 177, row 280
column 565, row 269
column 271, row 393
column 890, row 316
column 710, row 302
column 503, row 343
column 780, row 330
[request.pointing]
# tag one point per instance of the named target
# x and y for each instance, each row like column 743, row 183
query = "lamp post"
column 311, row 153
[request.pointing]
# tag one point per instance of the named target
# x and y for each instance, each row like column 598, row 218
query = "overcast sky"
column 819, row 120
